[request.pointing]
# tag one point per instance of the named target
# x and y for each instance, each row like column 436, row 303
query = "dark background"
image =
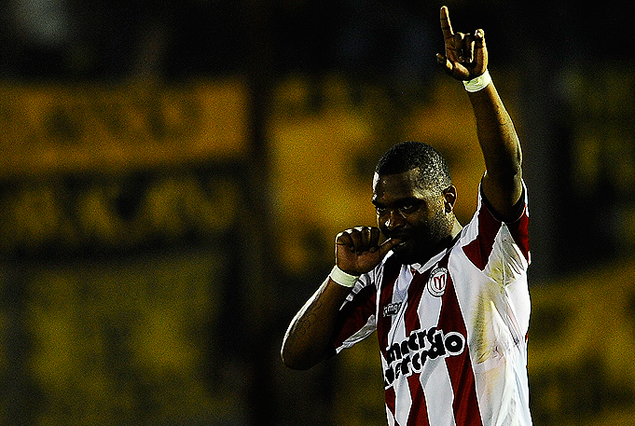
column 570, row 63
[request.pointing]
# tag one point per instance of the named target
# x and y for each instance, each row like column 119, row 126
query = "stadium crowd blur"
column 565, row 66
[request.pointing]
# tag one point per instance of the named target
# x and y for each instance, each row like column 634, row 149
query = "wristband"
column 342, row 278
column 478, row 83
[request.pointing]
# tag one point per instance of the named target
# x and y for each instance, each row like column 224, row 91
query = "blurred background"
column 173, row 174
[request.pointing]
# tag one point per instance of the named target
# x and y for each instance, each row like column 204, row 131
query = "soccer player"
column 450, row 303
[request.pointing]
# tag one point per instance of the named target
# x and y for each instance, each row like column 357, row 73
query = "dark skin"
column 416, row 222
column 421, row 219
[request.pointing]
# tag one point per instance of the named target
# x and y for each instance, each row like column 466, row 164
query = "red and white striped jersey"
column 452, row 333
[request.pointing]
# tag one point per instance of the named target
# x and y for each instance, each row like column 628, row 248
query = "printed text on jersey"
column 410, row 355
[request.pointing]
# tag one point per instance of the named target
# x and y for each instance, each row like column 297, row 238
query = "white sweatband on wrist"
column 342, row 278
column 478, row 83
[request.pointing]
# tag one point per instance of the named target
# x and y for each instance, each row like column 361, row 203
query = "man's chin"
column 411, row 253
column 404, row 254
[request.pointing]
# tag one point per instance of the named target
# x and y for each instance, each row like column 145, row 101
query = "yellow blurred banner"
column 128, row 342
column 68, row 128
column 581, row 346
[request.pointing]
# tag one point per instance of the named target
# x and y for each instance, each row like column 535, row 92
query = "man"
column 450, row 304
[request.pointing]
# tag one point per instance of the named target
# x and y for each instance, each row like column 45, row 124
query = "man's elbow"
column 295, row 361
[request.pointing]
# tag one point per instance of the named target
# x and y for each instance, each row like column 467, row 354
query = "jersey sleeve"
column 356, row 319
column 499, row 249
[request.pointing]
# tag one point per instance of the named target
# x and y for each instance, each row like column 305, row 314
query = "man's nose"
column 395, row 220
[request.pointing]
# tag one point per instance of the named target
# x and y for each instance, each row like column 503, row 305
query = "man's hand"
column 358, row 250
column 465, row 54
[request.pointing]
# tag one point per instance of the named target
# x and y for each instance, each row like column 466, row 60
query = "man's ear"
column 449, row 195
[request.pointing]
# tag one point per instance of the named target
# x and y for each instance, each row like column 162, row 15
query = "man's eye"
column 381, row 210
column 408, row 208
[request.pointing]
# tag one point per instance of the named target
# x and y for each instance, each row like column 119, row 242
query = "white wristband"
column 478, row 83
column 342, row 278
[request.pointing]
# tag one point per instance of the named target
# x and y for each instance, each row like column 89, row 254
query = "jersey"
column 452, row 332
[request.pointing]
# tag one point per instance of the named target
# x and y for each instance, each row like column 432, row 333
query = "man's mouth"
column 403, row 242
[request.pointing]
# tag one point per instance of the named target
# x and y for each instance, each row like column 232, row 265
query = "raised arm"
column 466, row 59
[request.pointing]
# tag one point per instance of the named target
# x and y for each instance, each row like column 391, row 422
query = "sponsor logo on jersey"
column 391, row 309
column 411, row 354
column 438, row 281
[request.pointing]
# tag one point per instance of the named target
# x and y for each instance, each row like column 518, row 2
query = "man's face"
column 414, row 215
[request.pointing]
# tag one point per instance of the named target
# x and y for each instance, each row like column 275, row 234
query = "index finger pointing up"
column 446, row 26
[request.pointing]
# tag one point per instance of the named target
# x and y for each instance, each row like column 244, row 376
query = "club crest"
column 438, row 281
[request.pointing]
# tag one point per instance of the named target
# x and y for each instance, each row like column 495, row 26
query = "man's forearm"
column 501, row 149
column 309, row 334
column 496, row 132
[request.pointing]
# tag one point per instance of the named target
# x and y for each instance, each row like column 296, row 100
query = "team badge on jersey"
column 438, row 281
